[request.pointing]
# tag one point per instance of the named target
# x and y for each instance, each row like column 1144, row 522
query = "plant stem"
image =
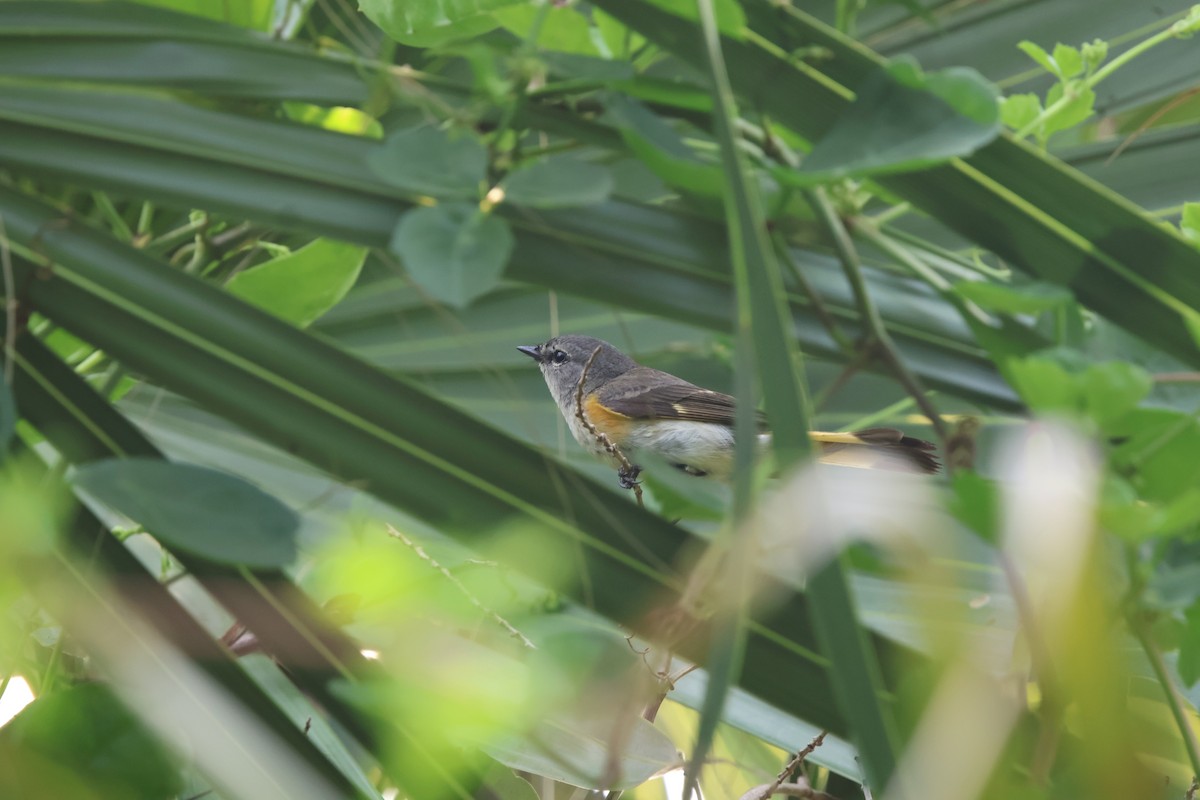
column 1178, row 712
column 1108, row 69
column 868, row 310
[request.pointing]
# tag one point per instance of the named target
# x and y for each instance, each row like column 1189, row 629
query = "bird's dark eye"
column 559, row 356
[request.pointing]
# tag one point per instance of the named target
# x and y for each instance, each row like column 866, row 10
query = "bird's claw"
column 628, row 478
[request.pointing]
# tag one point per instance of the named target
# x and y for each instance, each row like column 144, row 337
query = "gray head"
column 563, row 358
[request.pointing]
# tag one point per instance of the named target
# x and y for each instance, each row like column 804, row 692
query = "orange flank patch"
column 607, row 421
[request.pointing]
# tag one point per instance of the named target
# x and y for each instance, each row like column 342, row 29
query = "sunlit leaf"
column 1068, row 59
column 1018, row 110
column 1078, row 107
column 453, row 250
column 1038, row 54
column 302, row 286
column 200, row 511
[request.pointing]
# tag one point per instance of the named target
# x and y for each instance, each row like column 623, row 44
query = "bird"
column 644, row 410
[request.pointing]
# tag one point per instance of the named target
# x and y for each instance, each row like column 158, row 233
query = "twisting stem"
column 610, row 447
column 766, row 790
column 867, row 309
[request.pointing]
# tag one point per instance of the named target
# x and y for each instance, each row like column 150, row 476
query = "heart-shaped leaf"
column 453, row 251
column 430, row 161
column 301, row 286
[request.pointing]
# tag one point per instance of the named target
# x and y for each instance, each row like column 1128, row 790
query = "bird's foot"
column 628, row 478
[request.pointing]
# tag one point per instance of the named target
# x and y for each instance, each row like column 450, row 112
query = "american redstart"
column 647, row 410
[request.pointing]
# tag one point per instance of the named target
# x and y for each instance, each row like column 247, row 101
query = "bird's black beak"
column 534, row 351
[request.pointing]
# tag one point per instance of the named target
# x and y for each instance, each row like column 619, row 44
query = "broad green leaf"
column 302, row 286
column 1038, row 54
column 1044, row 384
column 201, row 511
column 431, row 161
column 1114, row 388
column 558, row 183
column 563, row 27
column 577, row 750
column 1018, row 110
column 433, row 22
column 453, row 251
column 1068, row 59
column 1026, row 298
column 8, row 418
column 903, row 120
column 1190, row 222
column 1076, row 110
column 88, row 735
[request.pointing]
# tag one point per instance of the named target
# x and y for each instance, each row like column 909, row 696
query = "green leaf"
column 576, row 750
column 1025, row 298
column 903, row 120
column 201, row 511
column 1044, row 384
column 84, row 733
column 558, row 183
column 301, row 286
column 1068, row 59
column 1039, row 55
column 8, row 418
column 1076, row 110
column 428, row 160
column 731, row 20
column 1018, row 110
column 976, row 504
column 1113, row 389
column 1190, row 222
column 432, row 22
column 453, row 250
column 563, row 27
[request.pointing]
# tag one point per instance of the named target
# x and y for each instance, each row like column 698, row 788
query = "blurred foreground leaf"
column 83, row 734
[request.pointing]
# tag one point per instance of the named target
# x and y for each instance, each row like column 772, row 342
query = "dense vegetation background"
column 284, row 513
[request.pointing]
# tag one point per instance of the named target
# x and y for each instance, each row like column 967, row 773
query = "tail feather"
column 877, row 448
